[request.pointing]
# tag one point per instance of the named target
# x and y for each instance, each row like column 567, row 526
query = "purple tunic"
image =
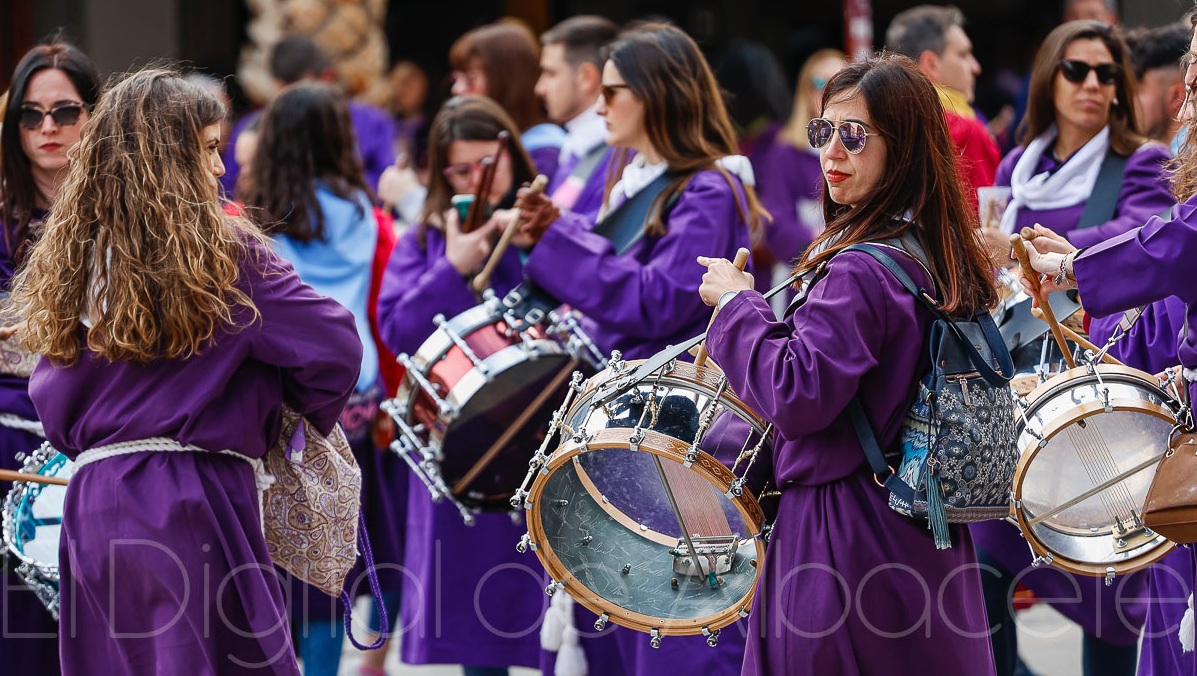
column 789, row 182
column 1145, row 192
column 30, row 643
column 181, row 532
column 543, row 143
column 590, row 198
column 375, row 131
column 645, row 299
column 849, row 586
column 468, row 596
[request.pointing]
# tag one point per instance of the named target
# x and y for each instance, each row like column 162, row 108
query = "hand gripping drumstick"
column 1049, row 316
column 740, row 262
column 482, row 280
column 10, row 475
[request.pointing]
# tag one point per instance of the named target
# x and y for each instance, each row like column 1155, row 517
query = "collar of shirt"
column 583, row 133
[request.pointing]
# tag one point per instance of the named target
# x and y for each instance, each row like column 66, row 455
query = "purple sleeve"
column 644, row 298
column 1006, row 168
column 545, row 160
column 1151, row 343
column 801, row 375
column 1141, row 266
column 375, row 140
column 312, row 338
column 418, row 285
column 1145, row 192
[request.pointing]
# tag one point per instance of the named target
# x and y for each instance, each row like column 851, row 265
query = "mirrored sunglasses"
column 66, row 115
column 1078, row 71
column 852, row 134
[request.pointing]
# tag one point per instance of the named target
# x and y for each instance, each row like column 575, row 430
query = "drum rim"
column 34, row 463
column 1070, row 416
column 674, row 450
column 437, row 344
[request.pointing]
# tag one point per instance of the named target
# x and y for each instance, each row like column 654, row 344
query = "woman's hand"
column 1048, row 253
column 537, row 213
column 721, row 276
column 396, row 182
column 467, row 251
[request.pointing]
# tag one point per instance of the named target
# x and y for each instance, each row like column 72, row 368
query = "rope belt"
column 16, row 422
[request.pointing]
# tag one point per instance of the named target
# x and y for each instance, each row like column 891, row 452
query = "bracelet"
column 1062, row 275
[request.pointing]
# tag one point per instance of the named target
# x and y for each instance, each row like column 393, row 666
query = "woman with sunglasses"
column 660, row 99
column 850, row 586
column 52, row 91
column 468, row 597
column 1086, row 173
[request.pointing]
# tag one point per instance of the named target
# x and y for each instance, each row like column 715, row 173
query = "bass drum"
column 648, row 512
column 33, row 523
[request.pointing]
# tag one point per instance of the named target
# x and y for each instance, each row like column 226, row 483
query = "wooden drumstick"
column 1049, row 316
column 740, row 262
column 7, row 332
column 1079, row 339
column 11, row 475
column 482, row 280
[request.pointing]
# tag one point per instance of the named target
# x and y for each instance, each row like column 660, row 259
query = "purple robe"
column 1150, row 345
column 543, row 143
column 181, row 532
column 373, row 127
column 29, row 641
column 848, row 586
column 1148, row 265
column 789, row 183
column 590, row 198
column 1145, row 192
column 468, row 596
column 645, row 299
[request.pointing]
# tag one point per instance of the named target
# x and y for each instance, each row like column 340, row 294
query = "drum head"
column 33, row 524
column 1079, row 494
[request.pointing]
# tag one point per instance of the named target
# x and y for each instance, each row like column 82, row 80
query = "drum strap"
column 1103, row 201
column 624, row 226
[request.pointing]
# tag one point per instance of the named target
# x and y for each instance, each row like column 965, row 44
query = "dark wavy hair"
column 920, row 179
column 1041, row 98
column 305, row 136
column 18, row 193
column 684, row 115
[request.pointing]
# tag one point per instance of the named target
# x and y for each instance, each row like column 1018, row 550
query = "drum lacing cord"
column 262, row 478
column 16, row 422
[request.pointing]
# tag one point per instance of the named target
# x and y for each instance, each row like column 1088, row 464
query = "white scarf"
column 639, row 173
column 1072, row 183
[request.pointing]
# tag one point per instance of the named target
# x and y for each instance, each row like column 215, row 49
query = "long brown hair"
column 920, row 181
column 684, row 115
column 1041, row 99
column 509, row 55
column 467, row 118
column 137, row 240
column 18, row 193
column 305, row 137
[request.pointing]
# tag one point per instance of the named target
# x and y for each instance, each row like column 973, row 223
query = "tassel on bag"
column 937, row 516
column 1186, row 629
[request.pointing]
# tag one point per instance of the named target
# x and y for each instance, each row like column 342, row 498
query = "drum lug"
column 712, row 636
column 525, row 544
column 737, row 488
column 634, row 440
column 554, row 588
column 1045, row 560
column 691, row 457
column 655, row 640
column 1109, row 575
column 743, row 612
column 601, row 623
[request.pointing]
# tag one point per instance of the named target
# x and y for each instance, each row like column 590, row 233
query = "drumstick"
column 12, row 475
column 1080, row 340
column 7, row 332
column 482, row 280
column 740, row 262
column 1049, row 316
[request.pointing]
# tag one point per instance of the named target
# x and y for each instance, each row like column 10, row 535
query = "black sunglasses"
column 609, row 91
column 1078, row 71
column 66, row 115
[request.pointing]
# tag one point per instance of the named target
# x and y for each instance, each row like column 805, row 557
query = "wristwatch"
column 725, row 298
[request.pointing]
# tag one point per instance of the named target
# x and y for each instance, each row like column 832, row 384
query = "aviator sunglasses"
column 1077, row 71
column 66, row 115
column 852, row 134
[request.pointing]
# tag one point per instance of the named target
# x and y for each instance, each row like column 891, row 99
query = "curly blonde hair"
column 137, row 241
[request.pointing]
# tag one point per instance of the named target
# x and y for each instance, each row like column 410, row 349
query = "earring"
column 1115, row 101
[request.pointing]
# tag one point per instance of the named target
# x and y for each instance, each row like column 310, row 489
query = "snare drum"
column 604, row 511
column 476, row 399
column 33, row 524
column 1090, row 439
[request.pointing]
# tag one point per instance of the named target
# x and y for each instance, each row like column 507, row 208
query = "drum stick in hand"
column 482, row 280
column 1079, row 339
column 1020, row 250
column 740, row 262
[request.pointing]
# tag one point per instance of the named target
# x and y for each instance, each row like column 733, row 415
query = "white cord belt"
column 16, row 422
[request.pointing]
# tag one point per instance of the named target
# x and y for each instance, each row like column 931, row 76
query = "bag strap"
column 995, row 377
column 1103, row 201
column 872, row 450
column 384, row 629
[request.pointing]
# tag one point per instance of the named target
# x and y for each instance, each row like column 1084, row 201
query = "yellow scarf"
column 955, row 102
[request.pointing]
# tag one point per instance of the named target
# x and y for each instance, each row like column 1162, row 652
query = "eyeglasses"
column 66, row 115
column 852, row 134
column 609, row 91
column 1078, row 71
column 463, row 171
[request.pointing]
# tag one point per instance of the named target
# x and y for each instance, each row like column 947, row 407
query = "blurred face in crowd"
column 1092, row 10
column 463, row 168
column 472, row 80
column 51, row 93
column 1187, row 111
column 624, row 113
column 1084, row 106
column 852, row 177
column 823, row 71
column 956, row 67
column 1157, row 101
column 560, row 85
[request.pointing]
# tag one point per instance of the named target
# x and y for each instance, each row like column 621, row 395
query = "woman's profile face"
column 1084, row 106
column 463, row 168
column 46, row 144
column 623, row 111
column 851, row 177
column 210, row 138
